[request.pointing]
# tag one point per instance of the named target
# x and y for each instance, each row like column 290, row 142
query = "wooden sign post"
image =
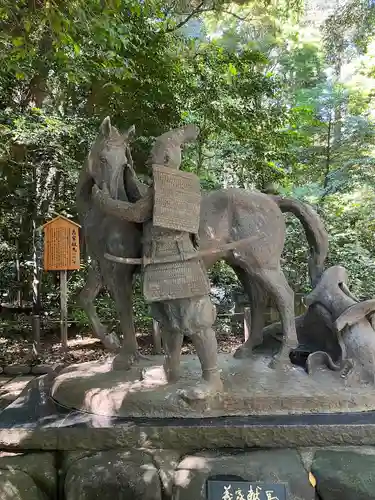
column 61, row 253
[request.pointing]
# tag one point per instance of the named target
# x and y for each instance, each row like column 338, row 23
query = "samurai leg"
column 199, row 316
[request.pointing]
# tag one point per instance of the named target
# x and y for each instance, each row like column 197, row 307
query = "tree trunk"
column 18, row 275
column 36, row 243
column 328, row 153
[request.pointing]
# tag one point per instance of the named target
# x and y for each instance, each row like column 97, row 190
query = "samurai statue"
column 175, row 281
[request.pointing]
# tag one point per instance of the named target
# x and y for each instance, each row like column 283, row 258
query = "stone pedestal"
column 80, row 454
column 250, row 388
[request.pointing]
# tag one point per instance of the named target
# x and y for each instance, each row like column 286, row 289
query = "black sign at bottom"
column 244, row 490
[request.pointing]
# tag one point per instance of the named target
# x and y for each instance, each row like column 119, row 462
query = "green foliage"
column 352, row 23
column 276, row 103
column 352, row 239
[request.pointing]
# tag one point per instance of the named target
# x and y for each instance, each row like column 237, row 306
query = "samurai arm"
column 137, row 212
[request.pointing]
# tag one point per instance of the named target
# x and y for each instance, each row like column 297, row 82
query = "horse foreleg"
column 122, row 293
column 87, row 297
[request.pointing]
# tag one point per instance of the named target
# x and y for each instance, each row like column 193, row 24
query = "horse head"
column 108, row 157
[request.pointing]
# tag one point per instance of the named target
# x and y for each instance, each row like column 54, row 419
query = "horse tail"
column 315, row 231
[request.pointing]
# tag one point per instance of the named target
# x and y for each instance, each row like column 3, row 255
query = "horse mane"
column 84, row 188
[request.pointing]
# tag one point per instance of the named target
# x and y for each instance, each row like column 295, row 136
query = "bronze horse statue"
column 227, row 215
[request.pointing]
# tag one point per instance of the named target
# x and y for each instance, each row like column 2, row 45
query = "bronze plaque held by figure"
column 177, row 199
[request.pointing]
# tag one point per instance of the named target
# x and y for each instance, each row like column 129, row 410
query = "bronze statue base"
column 250, row 388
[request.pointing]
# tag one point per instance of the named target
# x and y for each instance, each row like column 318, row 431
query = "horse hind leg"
column 276, row 284
column 87, row 297
column 257, row 297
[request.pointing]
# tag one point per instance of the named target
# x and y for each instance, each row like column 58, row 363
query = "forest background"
column 283, row 92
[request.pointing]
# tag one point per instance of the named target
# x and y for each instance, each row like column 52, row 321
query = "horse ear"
column 130, row 133
column 106, row 127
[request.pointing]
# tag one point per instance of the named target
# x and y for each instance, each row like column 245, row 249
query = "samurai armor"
column 176, row 280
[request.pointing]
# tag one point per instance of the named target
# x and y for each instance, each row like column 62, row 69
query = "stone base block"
column 27, row 477
column 335, row 473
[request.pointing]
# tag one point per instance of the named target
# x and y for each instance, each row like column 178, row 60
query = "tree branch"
column 199, row 10
column 246, row 18
column 193, row 13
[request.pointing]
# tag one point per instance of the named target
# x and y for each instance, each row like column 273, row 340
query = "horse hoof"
column 111, row 342
column 140, row 357
column 124, row 360
column 274, row 363
column 243, row 352
column 280, row 361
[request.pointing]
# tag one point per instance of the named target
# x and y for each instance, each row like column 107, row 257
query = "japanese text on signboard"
column 61, row 245
column 253, row 493
column 243, row 490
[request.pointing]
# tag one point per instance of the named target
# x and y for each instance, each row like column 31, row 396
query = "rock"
column 344, row 475
column 58, row 367
column 17, row 485
column 270, row 466
column 307, row 457
column 41, row 369
column 17, row 370
column 38, row 466
column 166, row 462
column 69, row 457
column 110, row 475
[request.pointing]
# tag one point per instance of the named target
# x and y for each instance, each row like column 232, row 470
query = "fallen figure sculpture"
column 336, row 331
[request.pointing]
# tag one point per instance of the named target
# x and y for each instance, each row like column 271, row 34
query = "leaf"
column 232, row 69
column 18, row 41
column 27, row 25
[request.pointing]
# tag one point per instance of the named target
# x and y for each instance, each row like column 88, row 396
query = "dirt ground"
column 18, row 349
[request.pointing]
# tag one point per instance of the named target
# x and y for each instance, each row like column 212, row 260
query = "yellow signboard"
column 61, row 245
